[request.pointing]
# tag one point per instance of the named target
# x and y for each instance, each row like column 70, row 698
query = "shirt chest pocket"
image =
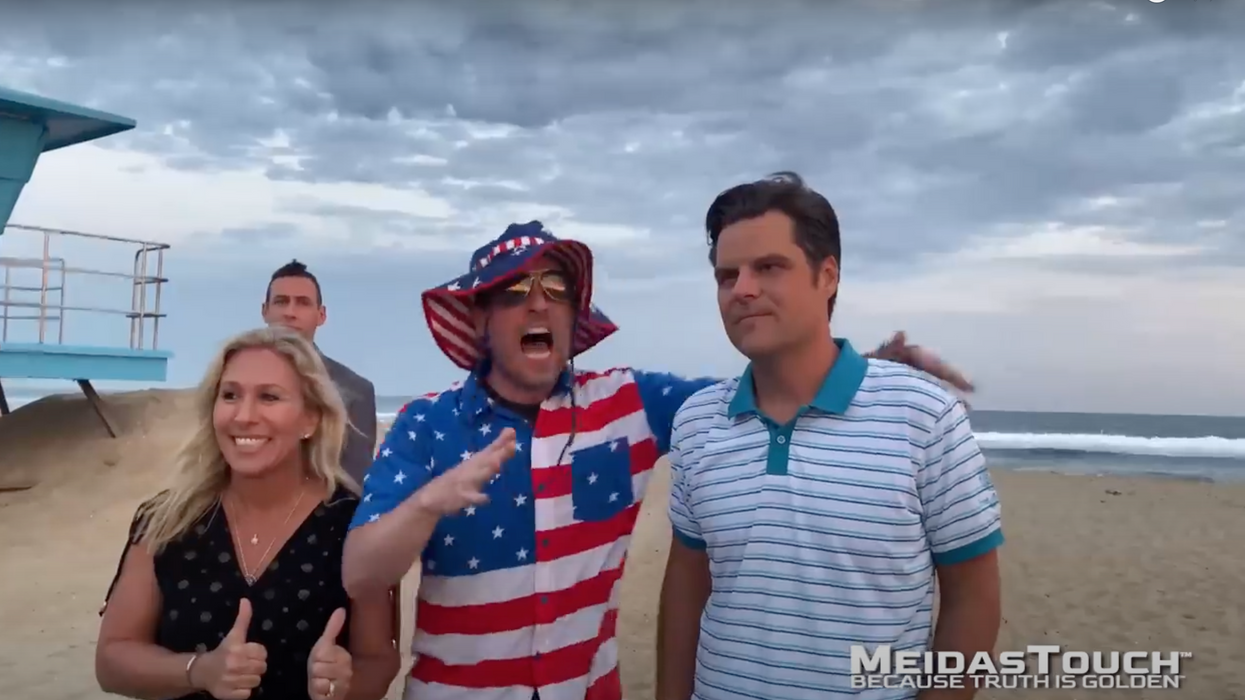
column 601, row 480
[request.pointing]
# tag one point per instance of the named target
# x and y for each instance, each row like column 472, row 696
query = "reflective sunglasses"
column 553, row 283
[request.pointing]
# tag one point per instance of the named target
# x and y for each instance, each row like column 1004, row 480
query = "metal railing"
column 44, row 303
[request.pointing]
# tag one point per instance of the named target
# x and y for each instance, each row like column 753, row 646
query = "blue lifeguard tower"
column 32, row 313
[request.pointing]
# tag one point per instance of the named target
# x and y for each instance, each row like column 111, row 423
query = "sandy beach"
column 1091, row 563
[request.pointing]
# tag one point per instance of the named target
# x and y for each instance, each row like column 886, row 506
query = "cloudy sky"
column 1048, row 193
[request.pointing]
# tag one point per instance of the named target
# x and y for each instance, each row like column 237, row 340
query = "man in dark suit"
column 294, row 301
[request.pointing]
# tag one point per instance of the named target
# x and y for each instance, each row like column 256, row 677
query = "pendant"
column 250, row 580
column 254, row 540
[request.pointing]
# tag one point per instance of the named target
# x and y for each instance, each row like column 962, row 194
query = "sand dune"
column 1091, row 563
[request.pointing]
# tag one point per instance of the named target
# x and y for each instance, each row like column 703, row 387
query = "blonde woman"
column 230, row 586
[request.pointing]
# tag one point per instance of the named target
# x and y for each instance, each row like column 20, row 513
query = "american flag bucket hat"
column 448, row 307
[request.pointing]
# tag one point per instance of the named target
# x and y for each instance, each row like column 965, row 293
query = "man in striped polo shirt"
column 815, row 497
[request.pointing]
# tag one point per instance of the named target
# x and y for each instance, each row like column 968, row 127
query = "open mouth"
column 250, row 444
column 537, row 343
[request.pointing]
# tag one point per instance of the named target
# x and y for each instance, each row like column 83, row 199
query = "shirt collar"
column 476, row 400
column 835, row 394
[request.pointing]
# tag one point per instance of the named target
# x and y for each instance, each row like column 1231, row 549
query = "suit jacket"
column 360, row 398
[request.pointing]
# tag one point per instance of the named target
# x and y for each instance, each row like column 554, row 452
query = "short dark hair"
column 294, row 268
column 816, row 224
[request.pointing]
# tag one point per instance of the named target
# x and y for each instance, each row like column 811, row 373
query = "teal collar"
column 836, row 391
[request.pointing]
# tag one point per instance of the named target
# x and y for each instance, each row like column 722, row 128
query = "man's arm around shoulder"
column 663, row 395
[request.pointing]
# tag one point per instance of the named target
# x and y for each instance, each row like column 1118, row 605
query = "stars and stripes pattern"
column 447, row 308
column 514, row 245
column 521, row 594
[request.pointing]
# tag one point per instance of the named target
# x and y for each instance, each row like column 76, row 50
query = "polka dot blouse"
column 291, row 601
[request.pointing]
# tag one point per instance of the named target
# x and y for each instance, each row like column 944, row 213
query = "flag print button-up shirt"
column 521, row 594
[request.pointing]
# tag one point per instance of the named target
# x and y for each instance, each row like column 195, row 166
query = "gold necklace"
column 252, row 576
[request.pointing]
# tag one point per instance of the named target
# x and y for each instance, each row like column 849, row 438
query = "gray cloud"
column 929, row 125
column 915, row 120
column 281, row 231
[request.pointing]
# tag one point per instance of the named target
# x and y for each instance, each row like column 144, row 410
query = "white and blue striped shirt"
column 824, row 533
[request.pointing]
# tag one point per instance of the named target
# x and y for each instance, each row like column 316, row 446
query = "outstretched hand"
column 898, row 350
column 462, row 486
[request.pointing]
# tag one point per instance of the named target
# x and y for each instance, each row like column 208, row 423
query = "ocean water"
column 1206, row 448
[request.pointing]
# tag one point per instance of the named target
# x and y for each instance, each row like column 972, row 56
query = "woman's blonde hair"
column 201, row 473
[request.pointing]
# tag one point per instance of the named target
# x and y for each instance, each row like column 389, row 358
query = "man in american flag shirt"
column 518, row 488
